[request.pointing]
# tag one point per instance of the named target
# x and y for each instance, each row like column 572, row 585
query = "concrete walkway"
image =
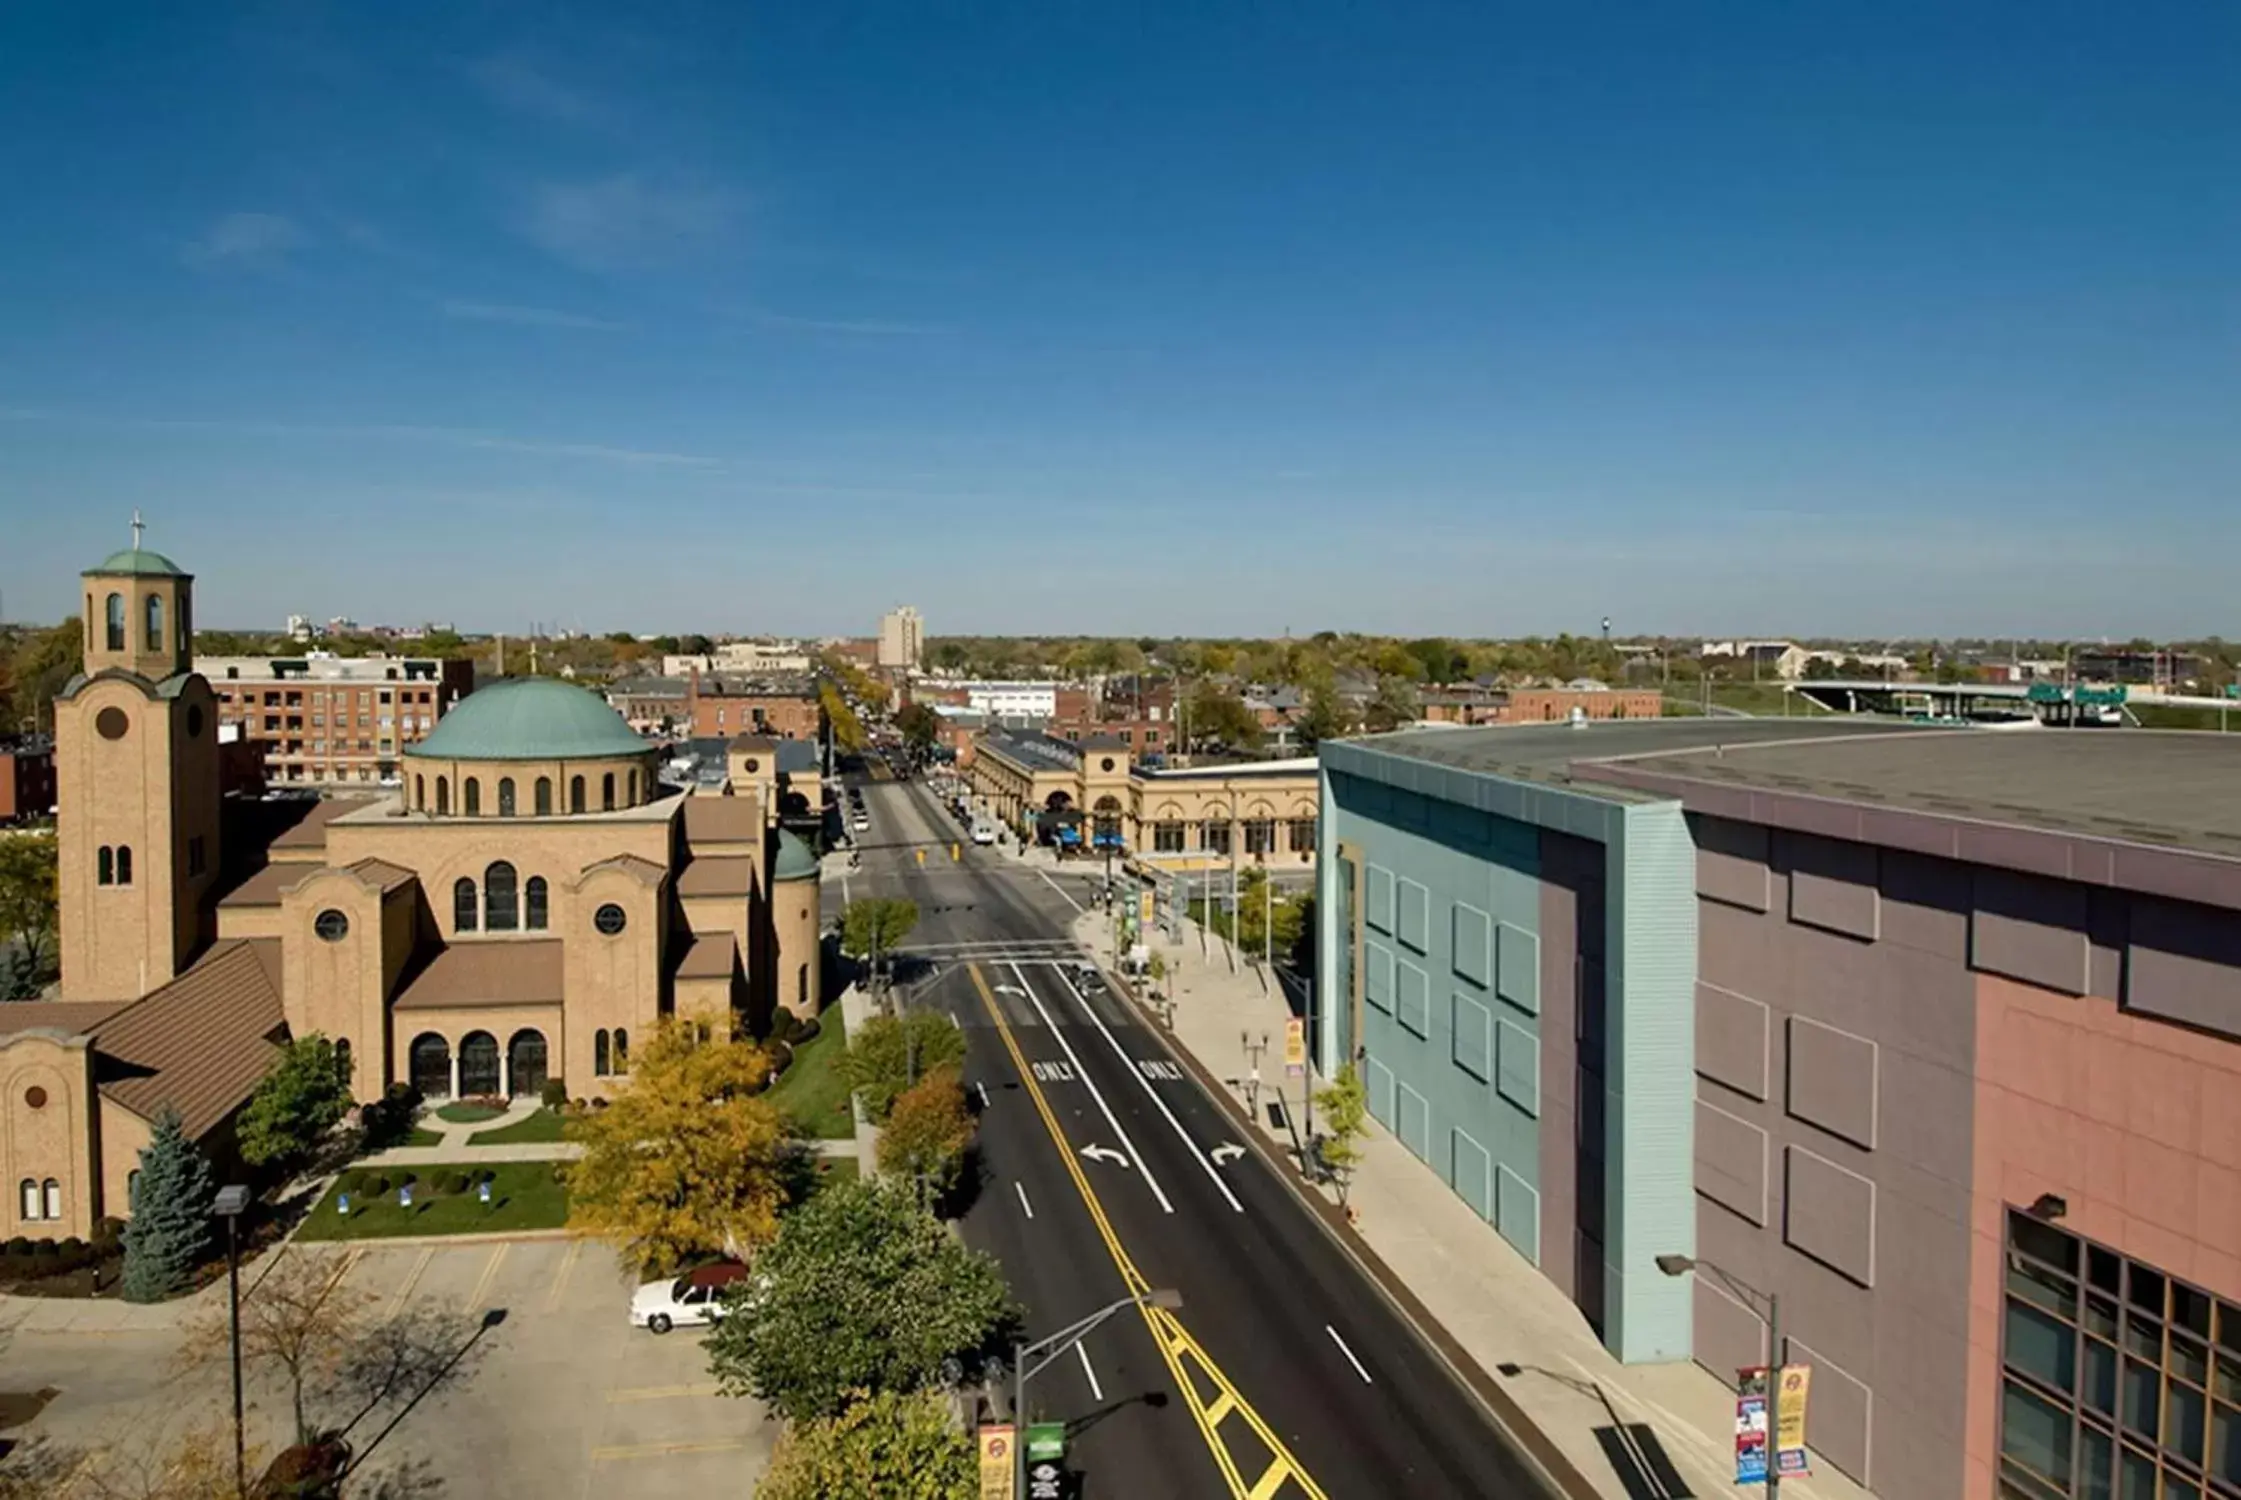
column 855, row 1009
column 1508, row 1318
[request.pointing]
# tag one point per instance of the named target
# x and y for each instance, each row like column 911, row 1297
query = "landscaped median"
column 810, row 1091
column 446, row 1198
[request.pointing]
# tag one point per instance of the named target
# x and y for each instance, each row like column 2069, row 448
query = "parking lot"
column 564, row 1398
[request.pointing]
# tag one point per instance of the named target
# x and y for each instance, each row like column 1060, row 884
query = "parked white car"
column 697, row 1297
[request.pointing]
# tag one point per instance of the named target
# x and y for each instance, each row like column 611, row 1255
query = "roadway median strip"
column 1205, row 1390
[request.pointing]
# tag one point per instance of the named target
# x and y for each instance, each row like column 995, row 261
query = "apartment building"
column 902, row 637
column 335, row 721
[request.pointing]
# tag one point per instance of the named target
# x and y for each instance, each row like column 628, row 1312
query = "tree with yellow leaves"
column 926, row 1134
column 686, row 1160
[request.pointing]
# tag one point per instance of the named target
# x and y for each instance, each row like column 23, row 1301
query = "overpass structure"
column 2065, row 705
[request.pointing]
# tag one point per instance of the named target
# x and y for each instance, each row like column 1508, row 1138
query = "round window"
column 35, row 1097
column 1106, row 764
column 609, row 919
column 331, row 925
column 112, row 723
column 194, row 721
column 754, row 766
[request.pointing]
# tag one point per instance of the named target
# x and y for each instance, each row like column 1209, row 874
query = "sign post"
column 1046, row 1454
column 1751, row 1465
column 996, row 1459
column 1790, row 1392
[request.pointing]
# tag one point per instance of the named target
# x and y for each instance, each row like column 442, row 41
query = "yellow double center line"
column 1187, row 1361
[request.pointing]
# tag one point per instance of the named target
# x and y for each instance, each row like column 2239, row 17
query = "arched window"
column 342, row 1066
column 622, row 1050
column 155, row 622
column 505, row 796
column 105, row 866
column 535, row 907
column 470, row 797
column 124, row 864
column 132, row 1191
column 544, row 796
column 575, row 794
column 599, row 1053
column 607, row 792
column 802, row 994
column 54, row 1198
column 116, row 622
column 443, row 796
column 420, row 792
column 27, row 1200
column 501, row 905
column 463, row 905
column 632, row 799
column 89, row 622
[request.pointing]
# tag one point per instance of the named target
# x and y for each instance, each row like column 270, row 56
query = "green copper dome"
column 139, row 561
column 796, row 861
column 530, row 718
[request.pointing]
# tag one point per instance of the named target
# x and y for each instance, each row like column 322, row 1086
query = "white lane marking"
column 1094, row 1092
column 1054, row 885
column 1228, row 1153
column 1103, row 1153
column 1350, row 1359
column 1021, row 1189
column 1096, row 1391
column 982, row 1090
column 845, row 898
column 1136, row 1073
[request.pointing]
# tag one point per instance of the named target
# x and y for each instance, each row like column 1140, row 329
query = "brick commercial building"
column 1936, row 1034
column 26, row 780
column 335, row 721
column 1471, row 705
column 719, row 707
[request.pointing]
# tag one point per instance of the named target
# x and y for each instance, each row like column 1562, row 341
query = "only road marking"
column 1104, row 1153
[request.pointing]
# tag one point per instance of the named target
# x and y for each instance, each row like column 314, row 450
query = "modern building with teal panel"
column 1510, row 959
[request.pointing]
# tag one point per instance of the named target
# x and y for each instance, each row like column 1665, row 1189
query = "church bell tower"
column 136, row 772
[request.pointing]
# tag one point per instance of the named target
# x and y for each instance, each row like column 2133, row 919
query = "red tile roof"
column 200, row 1043
column 488, row 972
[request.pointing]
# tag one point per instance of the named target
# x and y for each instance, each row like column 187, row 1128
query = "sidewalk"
column 1525, row 1336
column 855, row 1009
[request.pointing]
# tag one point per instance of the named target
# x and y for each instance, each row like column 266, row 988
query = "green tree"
column 44, row 661
column 872, row 927
column 27, row 911
column 1392, row 708
column 1218, row 715
column 887, row 1053
column 926, row 1133
column 303, row 1095
column 1324, row 718
column 863, row 1290
column 920, row 725
column 1345, row 1107
column 899, row 1446
column 170, row 1225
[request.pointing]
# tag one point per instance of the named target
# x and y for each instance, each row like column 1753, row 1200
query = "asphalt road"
column 1306, row 1381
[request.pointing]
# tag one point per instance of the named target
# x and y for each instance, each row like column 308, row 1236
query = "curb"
column 500, row 1237
column 1564, row 1478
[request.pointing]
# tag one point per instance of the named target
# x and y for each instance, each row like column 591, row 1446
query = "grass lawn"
column 523, row 1195
column 541, row 1127
column 422, row 1136
column 811, row 1092
column 463, row 1113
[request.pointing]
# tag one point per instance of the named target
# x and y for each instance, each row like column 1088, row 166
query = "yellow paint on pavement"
column 560, row 1277
column 665, row 1450
column 664, row 1392
column 1177, row 1347
column 489, row 1274
column 412, row 1279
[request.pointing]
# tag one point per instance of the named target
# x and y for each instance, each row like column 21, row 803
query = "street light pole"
column 1044, row 1350
column 229, row 1204
column 1681, row 1265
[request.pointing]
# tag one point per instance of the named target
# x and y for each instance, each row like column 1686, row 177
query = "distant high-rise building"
column 902, row 637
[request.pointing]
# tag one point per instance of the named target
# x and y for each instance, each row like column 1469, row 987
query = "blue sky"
column 1147, row 318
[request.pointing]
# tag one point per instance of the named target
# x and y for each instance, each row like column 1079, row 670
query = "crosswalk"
column 996, row 951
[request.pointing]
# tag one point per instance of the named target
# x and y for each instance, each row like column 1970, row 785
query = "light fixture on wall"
column 2048, row 1206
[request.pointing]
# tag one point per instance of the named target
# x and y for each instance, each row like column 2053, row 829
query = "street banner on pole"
column 1046, row 1442
column 1789, row 1420
column 996, row 1463
column 1145, row 908
column 1295, row 1047
column 1750, row 1425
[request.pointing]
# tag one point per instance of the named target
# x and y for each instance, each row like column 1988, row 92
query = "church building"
column 529, row 899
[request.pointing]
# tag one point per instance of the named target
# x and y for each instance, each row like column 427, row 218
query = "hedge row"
column 373, row 1182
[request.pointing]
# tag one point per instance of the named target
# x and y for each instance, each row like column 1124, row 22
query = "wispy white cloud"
column 625, row 221
column 865, row 327
column 245, row 241
column 457, row 437
column 513, row 82
column 528, row 317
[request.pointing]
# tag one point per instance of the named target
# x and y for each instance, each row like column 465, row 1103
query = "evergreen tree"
column 170, row 1225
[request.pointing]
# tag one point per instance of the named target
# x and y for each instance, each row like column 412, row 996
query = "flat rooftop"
column 2167, row 787
column 1548, row 752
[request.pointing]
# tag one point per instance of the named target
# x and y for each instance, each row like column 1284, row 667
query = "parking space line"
column 489, row 1274
column 560, row 1277
column 412, row 1279
column 663, row 1392
column 666, row 1450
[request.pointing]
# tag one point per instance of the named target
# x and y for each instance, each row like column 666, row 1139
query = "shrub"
column 350, row 1181
column 580, row 1106
column 783, row 1025
column 808, row 1032
column 407, row 1179
column 781, row 1056
column 108, row 1230
column 374, row 1185
column 72, row 1245
column 452, row 1184
column 20, row 1245
column 554, row 1094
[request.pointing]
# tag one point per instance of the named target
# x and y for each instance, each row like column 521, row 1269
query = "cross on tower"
column 138, row 526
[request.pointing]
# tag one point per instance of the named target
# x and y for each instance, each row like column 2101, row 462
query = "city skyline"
column 1484, row 323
